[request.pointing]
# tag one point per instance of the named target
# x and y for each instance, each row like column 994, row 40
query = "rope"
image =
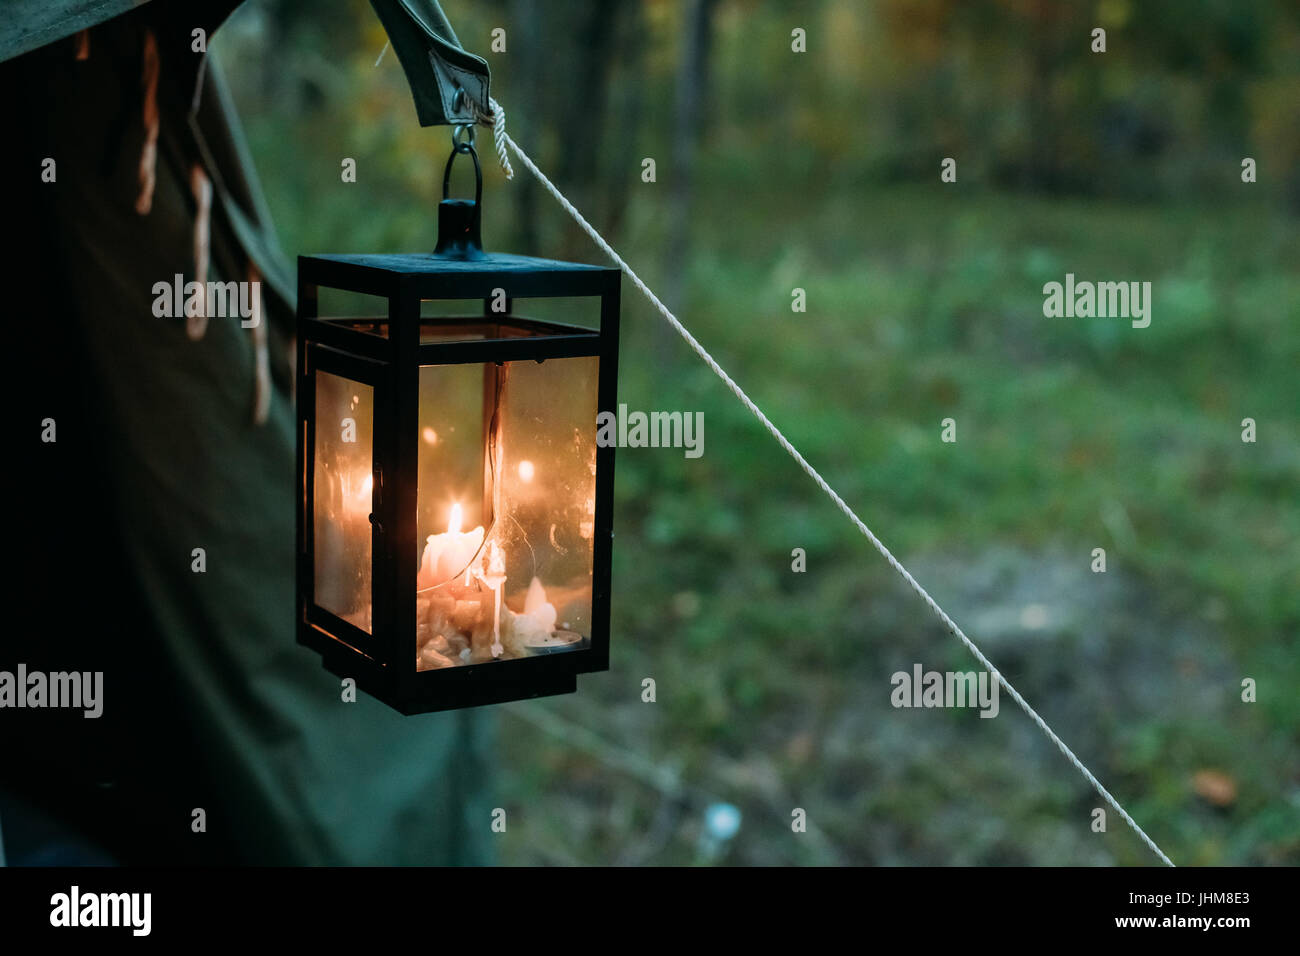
column 502, row 139
column 496, row 118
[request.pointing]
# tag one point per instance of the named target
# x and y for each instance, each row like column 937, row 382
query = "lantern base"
column 497, row 682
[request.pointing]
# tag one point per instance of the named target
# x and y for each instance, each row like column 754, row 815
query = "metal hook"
column 456, row 132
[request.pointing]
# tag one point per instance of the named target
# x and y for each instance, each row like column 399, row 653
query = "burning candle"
column 447, row 555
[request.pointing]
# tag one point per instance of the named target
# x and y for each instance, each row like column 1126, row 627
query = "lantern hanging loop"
column 458, row 147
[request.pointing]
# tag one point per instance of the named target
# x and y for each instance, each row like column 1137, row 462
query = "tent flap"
column 437, row 67
column 31, row 24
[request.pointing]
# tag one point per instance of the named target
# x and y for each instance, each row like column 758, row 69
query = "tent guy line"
column 502, row 139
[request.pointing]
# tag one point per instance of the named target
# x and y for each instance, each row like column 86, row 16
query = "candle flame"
column 454, row 521
column 526, row 471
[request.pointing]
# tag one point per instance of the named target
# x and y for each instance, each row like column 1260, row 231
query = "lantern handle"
column 458, row 147
column 459, row 219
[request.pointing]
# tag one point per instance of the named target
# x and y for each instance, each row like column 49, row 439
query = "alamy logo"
column 103, row 909
column 1104, row 300
column 220, row 300
column 656, row 430
column 946, row 689
column 76, row 690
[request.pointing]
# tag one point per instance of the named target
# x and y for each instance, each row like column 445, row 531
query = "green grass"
column 1072, row 434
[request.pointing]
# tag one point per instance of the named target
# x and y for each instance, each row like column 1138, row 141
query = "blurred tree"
column 692, row 93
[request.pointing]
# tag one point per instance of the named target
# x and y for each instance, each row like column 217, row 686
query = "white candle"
column 537, row 607
column 446, row 555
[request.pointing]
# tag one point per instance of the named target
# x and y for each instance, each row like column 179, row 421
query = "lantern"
column 454, row 505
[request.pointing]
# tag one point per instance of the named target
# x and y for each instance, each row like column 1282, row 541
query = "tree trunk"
column 692, row 92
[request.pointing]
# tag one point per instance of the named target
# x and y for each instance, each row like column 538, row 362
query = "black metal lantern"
column 454, row 524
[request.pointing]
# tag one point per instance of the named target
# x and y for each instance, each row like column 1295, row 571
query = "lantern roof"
column 431, row 276
column 428, row 264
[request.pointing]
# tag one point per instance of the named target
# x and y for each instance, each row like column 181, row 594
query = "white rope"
column 497, row 120
column 503, row 139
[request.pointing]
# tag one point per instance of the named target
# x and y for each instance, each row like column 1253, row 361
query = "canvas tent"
column 125, row 166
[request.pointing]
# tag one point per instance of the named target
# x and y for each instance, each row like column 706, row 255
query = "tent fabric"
column 208, row 702
column 436, row 66
column 30, row 24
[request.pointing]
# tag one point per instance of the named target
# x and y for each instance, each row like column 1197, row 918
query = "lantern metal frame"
column 382, row 661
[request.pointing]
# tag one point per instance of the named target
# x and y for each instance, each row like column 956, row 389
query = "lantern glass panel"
column 343, row 497
column 505, row 511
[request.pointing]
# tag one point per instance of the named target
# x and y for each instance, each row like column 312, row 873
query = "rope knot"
column 496, row 118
